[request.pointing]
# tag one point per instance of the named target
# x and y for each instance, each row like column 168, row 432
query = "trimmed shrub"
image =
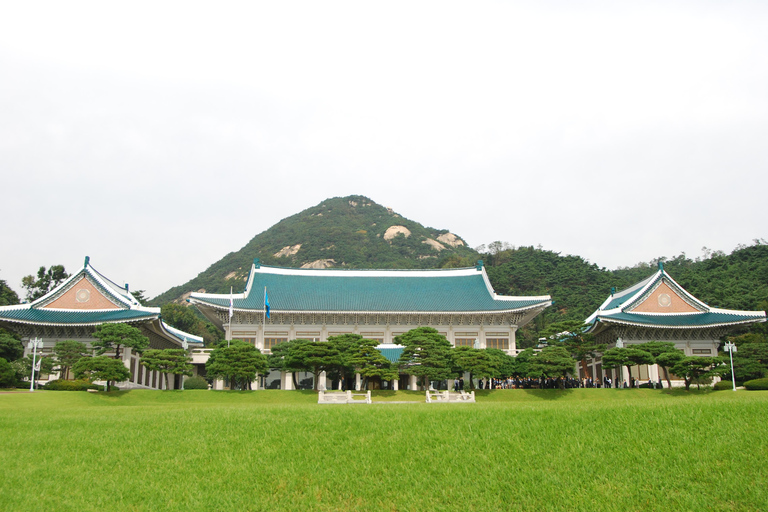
column 757, row 384
column 723, row 384
column 196, row 383
column 70, row 385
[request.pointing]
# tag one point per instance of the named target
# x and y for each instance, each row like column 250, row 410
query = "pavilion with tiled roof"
column 72, row 310
column 377, row 304
column 659, row 309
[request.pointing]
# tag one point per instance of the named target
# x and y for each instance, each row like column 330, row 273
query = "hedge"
column 71, row 385
column 756, row 384
column 196, row 383
column 725, row 384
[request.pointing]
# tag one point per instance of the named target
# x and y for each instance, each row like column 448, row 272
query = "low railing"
column 447, row 396
column 343, row 397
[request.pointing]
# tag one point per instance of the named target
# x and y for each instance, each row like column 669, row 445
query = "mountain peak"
column 339, row 232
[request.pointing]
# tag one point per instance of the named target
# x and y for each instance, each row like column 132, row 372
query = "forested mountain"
column 342, row 232
column 355, row 232
column 735, row 281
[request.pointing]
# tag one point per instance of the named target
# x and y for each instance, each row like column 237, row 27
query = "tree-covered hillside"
column 735, row 281
column 355, row 232
column 342, row 232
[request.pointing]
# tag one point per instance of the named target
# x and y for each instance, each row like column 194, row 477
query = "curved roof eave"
column 350, row 312
column 602, row 321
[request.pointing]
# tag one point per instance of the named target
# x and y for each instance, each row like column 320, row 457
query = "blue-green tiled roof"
column 69, row 317
column 442, row 291
column 711, row 318
column 393, row 354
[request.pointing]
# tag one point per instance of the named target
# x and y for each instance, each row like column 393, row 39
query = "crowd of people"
column 554, row 383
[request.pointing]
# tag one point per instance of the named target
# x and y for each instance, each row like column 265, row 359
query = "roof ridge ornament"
column 661, row 266
column 479, row 265
column 256, row 263
column 87, row 261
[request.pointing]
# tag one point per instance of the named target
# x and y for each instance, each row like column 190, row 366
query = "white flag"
column 37, row 366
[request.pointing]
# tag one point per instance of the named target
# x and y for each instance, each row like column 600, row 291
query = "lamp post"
column 731, row 348
column 34, row 344
column 185, row 346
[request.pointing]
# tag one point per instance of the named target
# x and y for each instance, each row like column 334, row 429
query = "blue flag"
column 266, row 301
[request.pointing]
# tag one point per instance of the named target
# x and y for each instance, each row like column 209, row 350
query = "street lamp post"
column 731, row 348
column 185, row 346
column 34, row 344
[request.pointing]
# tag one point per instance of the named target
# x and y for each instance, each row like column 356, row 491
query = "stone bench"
column 343, row 397
column 448, row 396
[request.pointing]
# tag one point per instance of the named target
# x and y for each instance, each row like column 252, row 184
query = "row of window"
column 500, row 343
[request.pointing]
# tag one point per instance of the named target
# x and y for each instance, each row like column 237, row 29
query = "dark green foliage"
column 8, row 297
column 552, row 362
column 735, row 281
column 664, row 353
column 239, row 363
column 8, row 375
column 504, row 364
column 11, row 347
column 725, row 384
column 370, row 363
column 67, row 353
column 115, row 336
column 757, row 385
column 70, row 385
column 139, row 296
column 189, row 319
column 279, row 359
column 170, row 360
column 697, row 370
column 749, row 362
column 101, row 368
column 24, row 365
column 571, row 336
column 348, row 230
column 46, row 281
column 626, row 356
column 314, row 356
column 478, row 363
column 196, row 383
column 427, row 354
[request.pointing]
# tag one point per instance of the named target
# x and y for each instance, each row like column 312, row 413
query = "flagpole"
column 265, row 315
column 231, row 313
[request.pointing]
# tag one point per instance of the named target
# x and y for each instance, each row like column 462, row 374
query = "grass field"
column 590, row 449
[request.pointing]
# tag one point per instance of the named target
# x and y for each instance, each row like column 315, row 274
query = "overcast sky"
column 156, row 137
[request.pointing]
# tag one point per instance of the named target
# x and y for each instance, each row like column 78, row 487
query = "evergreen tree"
column 101, row 368
column 115, row 336
column 67, row 353
column 427, row 354
column 167, row 361
column 239, row 363
column 46, row 281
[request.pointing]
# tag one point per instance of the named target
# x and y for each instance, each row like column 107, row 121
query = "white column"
column 653, row 373
column 255, row 383
column 357, row 382
column 287, row 380
column 321, row 381
column 412, row 382
column 451, row 382
column 396, row 384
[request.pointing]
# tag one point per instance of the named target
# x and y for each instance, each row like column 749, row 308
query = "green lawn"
column 590, row 449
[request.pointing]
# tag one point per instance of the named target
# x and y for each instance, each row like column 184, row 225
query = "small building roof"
column 660, row 302
column 88, row 298
column 462, row 290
